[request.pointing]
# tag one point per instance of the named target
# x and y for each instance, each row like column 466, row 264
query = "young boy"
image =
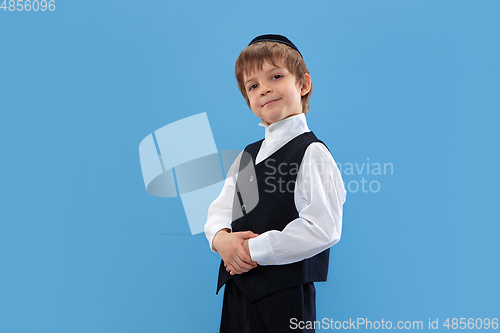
column 273, row 253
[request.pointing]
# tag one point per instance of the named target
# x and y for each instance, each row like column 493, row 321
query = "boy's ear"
column 306, row 85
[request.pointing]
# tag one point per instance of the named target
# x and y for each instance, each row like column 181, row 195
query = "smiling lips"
column 271, row 102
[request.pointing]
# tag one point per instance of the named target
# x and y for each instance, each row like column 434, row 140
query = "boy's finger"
column 246, row 258
column 231, row 269
column 248, row 263
column 250, row 234
column 243, row 256
column 243, row 270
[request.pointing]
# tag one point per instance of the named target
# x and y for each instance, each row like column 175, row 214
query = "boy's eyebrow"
column 251, row 78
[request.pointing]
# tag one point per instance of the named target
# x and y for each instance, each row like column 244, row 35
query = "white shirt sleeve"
column 220, row 211
column 319, row 195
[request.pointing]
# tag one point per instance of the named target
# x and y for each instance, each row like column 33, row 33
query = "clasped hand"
column 234, row 251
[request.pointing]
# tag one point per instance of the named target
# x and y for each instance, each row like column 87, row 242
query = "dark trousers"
column 275, row 313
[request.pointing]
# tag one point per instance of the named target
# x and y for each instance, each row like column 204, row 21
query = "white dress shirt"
column 319, row 195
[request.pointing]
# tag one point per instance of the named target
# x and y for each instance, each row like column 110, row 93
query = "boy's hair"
column 254, row 55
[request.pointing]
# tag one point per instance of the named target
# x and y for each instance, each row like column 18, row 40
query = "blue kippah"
column 274, row 38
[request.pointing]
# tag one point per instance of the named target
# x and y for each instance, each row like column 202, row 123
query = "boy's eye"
column 275, row 77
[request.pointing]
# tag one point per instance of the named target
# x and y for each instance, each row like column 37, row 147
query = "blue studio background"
column 410, row 84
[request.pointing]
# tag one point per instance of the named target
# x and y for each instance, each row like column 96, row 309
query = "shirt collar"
column 285, row 129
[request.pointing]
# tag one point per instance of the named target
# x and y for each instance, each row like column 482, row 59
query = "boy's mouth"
column 271, row 102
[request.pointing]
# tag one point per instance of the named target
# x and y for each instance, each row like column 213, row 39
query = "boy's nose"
column 265, row 89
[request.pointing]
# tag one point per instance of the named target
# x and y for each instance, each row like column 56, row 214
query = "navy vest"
column 276, row 178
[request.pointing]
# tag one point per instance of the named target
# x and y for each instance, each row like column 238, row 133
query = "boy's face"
column 274, row 94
